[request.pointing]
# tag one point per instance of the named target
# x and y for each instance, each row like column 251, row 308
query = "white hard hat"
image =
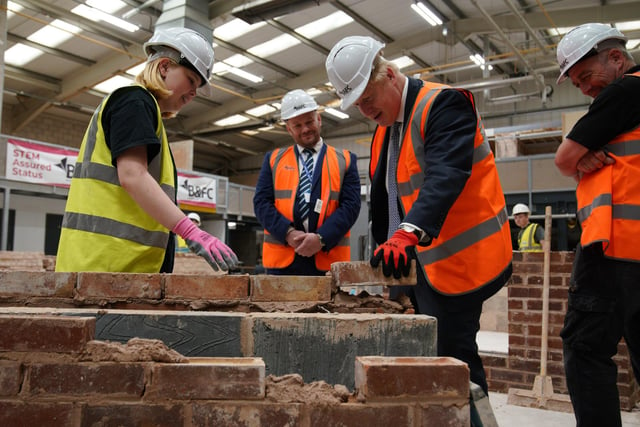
column 194, row 217
column 296, row 102
column 190, row 44
column 349, row 66
column 581, row 40
column 520, row 208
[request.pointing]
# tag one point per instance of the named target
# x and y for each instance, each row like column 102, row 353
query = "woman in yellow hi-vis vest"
column 121, row 209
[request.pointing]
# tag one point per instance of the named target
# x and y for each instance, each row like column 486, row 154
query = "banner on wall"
column 40, row 164
column 43, row 164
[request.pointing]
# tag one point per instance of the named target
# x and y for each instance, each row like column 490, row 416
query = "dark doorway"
column 53, row 223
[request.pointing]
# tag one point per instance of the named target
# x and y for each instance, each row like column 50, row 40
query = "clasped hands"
column 305, row 244
column 394, row 254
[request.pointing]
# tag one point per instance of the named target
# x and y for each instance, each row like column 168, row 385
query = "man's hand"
column 216, row 253
column 394, row 254
column 294, row 238
column 593, row 161
column 308, row 244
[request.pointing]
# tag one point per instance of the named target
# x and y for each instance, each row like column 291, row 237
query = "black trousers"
column 458, row 326
column 604, row 306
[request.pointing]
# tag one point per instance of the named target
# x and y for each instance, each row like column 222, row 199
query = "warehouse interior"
column 61, row 57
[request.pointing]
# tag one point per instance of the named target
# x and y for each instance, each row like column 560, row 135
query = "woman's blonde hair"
column 151, row 78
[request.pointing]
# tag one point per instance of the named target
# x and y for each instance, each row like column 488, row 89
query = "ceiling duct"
column 259, row 11
column 191, row 14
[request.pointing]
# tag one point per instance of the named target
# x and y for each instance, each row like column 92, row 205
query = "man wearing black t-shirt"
column 601, row 152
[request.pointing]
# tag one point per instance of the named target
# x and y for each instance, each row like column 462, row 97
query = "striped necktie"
column 304, row 187
column 394, row 215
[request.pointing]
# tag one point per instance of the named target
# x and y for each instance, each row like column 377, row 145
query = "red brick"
column 290, row 288
column 10, row 378
column 445, row 415
column 119, row 285
column 18, row 414
column 106, row 378
column 37, row 284
column 379, row 377
column 227, row 287
column 265, row 414
column 133, row 415
column 355, row 414
column 361, row 273
column 56, row 334
column 209, row 378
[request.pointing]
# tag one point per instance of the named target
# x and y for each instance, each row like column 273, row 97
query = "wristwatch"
column 423, row 238
column 320, row 238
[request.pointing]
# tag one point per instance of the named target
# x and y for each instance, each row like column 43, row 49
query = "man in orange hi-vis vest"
column 435, row 193
column 602, row 152
column 307, row 197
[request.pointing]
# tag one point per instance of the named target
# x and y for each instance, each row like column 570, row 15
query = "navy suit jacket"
column 334, row 227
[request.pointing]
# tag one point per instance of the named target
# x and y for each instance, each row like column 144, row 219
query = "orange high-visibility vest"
column 284, row 169
column 474, row 244
column 609, row 199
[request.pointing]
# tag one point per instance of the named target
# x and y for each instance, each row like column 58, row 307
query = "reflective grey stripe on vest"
column 109, row 175
column 601, row 200
column 626, row 148
column 416, row 180
column 465, row 239
column 109, row 227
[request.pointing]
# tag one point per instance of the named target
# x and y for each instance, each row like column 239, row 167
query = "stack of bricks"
column 520, row 366
column 49, row 378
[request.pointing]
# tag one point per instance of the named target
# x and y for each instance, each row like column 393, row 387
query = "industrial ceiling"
column 516, row 38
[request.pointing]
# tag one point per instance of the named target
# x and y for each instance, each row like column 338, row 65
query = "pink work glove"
column 217, row 254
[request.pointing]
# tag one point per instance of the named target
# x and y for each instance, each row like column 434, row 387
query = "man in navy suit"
column 307, row 197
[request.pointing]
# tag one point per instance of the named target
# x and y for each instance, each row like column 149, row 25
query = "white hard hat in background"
column 520, row 208
column 296, row 102
column 349, row 66
column 194, row 217
column 191, row 45
column 579, row 41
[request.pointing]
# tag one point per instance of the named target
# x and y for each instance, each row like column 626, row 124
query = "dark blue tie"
column 304, row 187
column 394, row 215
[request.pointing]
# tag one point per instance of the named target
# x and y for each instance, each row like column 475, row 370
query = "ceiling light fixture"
column 336, row 113
column 480, row 61
column 426, row 13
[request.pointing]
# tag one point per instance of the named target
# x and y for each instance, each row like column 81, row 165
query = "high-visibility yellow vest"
column 527, row 239
column 103, row 228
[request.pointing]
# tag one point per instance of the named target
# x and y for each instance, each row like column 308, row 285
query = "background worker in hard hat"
column 601, row 151
column 434, row 190
column 181, row 245
column 531, row 235
column 121, row 209
column 307, row 197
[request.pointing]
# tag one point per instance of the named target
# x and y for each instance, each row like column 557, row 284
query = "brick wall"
column 520, row 366
column 46, row 128
column 52, row 373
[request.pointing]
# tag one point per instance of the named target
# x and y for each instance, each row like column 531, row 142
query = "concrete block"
column 208, row 378
column 411, row 378
column 324, row 346
column 360, row 273
column 290, row 288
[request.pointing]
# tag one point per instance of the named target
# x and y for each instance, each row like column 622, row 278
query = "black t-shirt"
column 614, row 111
column 130, row 120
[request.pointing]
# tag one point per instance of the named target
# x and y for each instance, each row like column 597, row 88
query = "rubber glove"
column 217, row 254
column 394, row 254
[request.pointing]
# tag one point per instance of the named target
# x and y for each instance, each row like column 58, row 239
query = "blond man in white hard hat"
column 531, row 235
column 602, row 151
column 121, row 213
column 435, row 193
column 307, row 197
